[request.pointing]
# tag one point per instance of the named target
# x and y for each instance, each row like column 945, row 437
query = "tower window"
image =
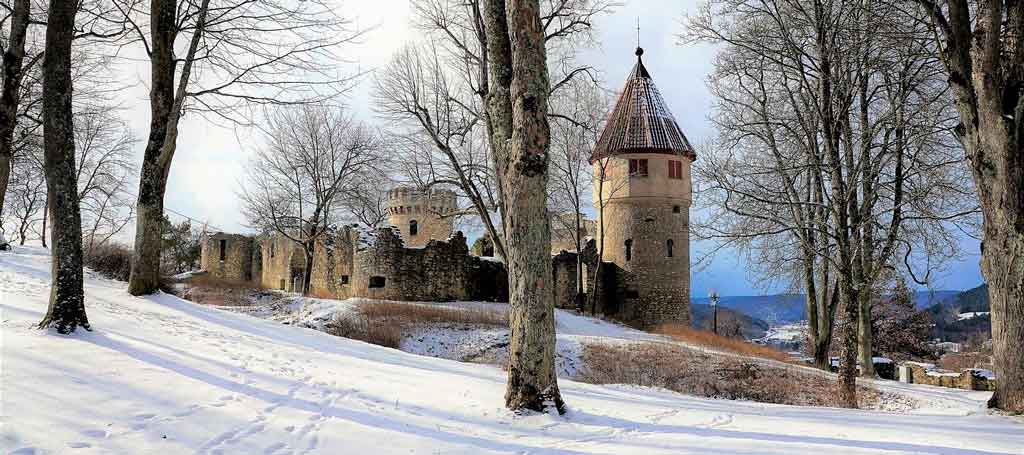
column 675, row 209
column 675, row 169
column 629, row 250
column 377, row 282
column 271, row 249
column 668, row 246
column 344, row 279
column 638, row 168
column 223, row 249
column 413, row 228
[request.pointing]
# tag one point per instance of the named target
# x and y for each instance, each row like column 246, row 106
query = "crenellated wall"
column 430, row 211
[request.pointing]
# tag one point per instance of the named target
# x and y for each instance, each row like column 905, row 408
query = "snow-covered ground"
column 160, row 375
column 482, row 344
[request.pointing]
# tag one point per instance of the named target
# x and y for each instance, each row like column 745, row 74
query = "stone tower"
column 421, row 215
column 642, row 176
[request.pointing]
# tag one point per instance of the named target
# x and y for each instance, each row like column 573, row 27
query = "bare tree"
column 295, row 185
column 27, row 196
column 105, row 173
column 517, row 113
column 67, row 298
column 219, row 58
column 833, row 161
column 582, row 109
column 14, row 69
column 979, row 42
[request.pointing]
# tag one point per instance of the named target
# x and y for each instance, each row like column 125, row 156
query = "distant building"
column 421, row 215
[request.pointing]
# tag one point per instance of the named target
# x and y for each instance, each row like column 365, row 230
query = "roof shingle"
column 641, row 122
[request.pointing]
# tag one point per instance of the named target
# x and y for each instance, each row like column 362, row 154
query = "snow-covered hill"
column 160, row 375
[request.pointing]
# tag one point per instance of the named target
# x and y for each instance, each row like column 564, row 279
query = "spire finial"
column 639, row 50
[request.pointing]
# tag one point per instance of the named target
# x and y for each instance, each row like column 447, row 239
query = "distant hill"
column 962, row 316
column 927, row 299
column 780, row 309
column 773, row 309
column 751, row 327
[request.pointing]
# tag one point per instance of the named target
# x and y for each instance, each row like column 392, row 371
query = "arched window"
column 413, row 228
column 629, row 249
column 668, row 246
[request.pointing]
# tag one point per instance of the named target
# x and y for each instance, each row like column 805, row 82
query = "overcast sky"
column 209, row 161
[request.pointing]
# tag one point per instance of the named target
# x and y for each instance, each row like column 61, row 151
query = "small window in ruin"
column 413, row 228
column 271, row 249
column 344, row 279
column 668, row 246
column 675, row 209
column 629, row 249
column 377, row 282
column 282, row 284
column 223, row 249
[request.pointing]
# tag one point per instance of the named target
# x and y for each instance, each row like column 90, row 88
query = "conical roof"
column 641, row 122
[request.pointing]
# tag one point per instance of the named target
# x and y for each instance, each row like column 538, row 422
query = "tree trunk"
column 848, row 351
column 67, row 299
column 13, row 64
column 1003, row 265
column 532, row 384
column 865, row 343
column 145, row 270
column 46, row 217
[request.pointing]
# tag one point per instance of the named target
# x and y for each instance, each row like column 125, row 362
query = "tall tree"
column 67, row 298
column 834, row 161
column 517, row 111
column 10, row 94
column 296, row 184
column 220, row 58
column 981, row 46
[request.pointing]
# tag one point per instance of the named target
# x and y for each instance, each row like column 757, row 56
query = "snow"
column 163, row 375
column 971, row 315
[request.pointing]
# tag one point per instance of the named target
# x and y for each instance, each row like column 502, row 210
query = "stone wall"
column 929, row 374
column 439, row 271
column 563, row 267
column 428, row 210
column 227, row 256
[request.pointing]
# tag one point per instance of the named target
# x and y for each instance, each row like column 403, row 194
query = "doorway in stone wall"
column 297, row 270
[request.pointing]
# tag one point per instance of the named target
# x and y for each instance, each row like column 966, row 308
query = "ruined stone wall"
column 644, row 216
column 277, row 253
column 227, row 256
column 968, row 379
column 562, row 227
column 563, row 267
column 439, row 271
column 428, row 210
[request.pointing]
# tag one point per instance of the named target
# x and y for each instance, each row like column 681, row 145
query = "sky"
column 209, row 163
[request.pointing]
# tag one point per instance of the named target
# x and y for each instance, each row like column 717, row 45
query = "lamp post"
column 714, row 309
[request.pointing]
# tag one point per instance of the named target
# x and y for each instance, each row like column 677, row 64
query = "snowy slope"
column 163, row 376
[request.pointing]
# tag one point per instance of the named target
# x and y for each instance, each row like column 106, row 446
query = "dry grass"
column 383, row 323
column 407, row 314
column 691, row 372
column 362, row 328
column 209, row 290
column 708, row 339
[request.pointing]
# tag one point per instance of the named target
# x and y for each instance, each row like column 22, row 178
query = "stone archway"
column 297, row 270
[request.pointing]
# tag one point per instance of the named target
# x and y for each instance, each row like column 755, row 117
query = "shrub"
column 691, row 372
column 708, row 339
column 360, row 327
column 110, row 260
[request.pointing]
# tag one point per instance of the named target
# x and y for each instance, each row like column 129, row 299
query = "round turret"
column 642, row 179
column 421, row 215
